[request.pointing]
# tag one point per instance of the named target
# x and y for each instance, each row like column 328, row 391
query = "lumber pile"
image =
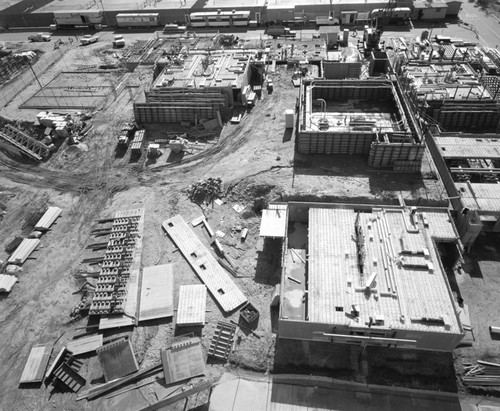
column 484, row 373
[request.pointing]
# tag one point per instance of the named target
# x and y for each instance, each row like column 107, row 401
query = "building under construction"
column 367, row 116
column 198, row 87
column 450, row 95
column 366, row 275
column 469, row 166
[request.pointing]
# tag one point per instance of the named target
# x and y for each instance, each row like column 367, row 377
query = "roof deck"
column 402, row 283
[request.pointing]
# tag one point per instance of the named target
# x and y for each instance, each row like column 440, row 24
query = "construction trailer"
column 469, row 167
column 204, row 87
column 138, row 19
column 369, row 275
column 368, row 117
column 78, row 19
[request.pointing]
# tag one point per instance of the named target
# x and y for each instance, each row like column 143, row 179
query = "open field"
column 257, row 163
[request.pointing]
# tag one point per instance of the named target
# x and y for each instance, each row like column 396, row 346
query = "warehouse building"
column 359, row 117
column 367, row 275
column 469, row 166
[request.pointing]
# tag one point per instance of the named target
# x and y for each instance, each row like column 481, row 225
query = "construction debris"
column 484, row 373
column 205, row 191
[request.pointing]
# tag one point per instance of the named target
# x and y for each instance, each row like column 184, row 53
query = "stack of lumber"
column 48, row 219
column 7, row 282
column 484, row 373
column 24, row 250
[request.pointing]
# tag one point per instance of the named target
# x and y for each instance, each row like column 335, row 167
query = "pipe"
column 368, row 338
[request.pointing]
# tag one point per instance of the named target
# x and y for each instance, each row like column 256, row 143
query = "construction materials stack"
column 123, row 252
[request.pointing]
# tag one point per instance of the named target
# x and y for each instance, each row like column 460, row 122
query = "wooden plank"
column 182, row 361
column 103, row 389
column 218, row 282
column 157, row 292
column 85, row 345
column 38, row 359
column 117, row 359
column 173, row 399
column 192, row 305
column 55, row 363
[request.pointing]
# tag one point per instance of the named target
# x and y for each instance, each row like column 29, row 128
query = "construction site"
column 250, row 219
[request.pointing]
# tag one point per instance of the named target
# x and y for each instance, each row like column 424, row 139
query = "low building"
column 429, row 9
column 367, row 275
column 358, row 117
column 469, row 166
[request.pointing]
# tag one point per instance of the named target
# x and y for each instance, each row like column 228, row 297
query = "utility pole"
column 40, row 84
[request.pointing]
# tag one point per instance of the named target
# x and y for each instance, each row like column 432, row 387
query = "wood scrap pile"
column 205, row 190
column 484, row 373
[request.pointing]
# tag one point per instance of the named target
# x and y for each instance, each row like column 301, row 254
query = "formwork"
column 180, row 104
column 74, row 90
column 334, row 143
column 465, row 114
column 401, row 156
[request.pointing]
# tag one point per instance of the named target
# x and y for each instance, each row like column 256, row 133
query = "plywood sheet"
column 183, row 360
column 157, row 292
column 192, row 305
column 218, row 282
column 117, row 359
column 36, row 364
column 85, row 345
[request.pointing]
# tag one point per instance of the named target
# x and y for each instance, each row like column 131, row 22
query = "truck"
column 39, row 37
column 88, row 39
column 280, row 31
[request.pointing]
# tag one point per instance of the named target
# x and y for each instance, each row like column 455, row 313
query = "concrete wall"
column 309, row 142
column 305, row 330
column 454, row 8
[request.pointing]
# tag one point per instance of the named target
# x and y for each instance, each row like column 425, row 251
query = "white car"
column 88, row 39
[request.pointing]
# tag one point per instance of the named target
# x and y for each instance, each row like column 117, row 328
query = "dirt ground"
column 257, row 163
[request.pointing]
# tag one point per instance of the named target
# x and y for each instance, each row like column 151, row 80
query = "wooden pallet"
column 222, row 341
column 69, row 377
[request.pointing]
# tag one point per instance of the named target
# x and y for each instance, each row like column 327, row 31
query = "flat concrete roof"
column 481, row 197
column 481, row 146
column 233, row 4
column 224, row 70
column 274, row 221
column 418, row 287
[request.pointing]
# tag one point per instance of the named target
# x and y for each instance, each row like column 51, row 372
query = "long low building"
column 368, row 275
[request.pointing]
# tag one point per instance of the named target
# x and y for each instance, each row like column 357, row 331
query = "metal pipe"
column 494, row 329
column 367, row 338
